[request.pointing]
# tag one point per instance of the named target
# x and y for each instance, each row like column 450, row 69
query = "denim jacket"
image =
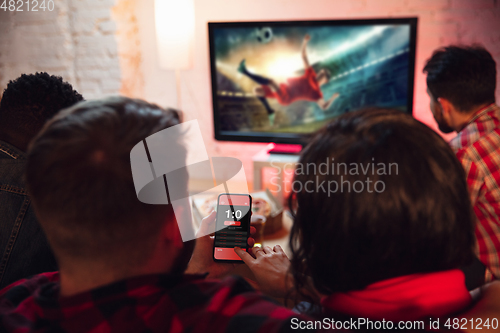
column 24, row 248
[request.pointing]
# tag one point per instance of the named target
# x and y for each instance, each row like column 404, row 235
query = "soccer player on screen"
column 305, row 87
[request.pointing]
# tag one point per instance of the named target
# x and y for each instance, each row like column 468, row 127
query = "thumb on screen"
column 244, row 255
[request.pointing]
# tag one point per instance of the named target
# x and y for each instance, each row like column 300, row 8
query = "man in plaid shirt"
column 122, row 262
column 461, row 84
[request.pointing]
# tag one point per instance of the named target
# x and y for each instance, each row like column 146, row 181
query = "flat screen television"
column 280, row 81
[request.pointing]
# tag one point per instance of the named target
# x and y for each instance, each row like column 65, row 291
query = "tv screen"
column 279, row 81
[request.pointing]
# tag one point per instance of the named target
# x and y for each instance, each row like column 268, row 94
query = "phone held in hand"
column 232, row 225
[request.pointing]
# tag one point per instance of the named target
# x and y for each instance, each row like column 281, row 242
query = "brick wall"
column 129, row 50
column 76, row 41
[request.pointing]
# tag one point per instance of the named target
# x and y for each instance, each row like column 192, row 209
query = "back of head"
column 390, row 200
column 32, row 99
column 80, row 180
column 465, row 75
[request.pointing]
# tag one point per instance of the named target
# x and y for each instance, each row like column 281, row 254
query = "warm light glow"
column 285, row 67
column 174, row 33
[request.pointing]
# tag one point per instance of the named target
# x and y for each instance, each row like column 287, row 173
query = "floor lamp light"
column 174, row 21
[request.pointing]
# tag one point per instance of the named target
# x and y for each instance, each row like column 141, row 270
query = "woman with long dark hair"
column 382, row 223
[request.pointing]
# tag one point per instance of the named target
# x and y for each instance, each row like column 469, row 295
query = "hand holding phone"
column 233, row 225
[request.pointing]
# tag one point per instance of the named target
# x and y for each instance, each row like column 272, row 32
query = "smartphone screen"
column 233, row 225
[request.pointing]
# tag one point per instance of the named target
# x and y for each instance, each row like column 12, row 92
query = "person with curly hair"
column 26, row 104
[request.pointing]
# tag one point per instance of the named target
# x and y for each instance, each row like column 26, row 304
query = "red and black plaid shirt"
column 477, row 147
column 153, row 303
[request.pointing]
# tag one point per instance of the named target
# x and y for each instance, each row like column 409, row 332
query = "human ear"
column 446, row 106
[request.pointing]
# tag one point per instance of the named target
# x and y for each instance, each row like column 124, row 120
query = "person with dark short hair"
column 26, row 104
column 123, row 264
column 461, row 82
column 385, row 234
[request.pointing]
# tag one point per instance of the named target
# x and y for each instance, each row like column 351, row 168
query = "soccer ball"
column 264, row 35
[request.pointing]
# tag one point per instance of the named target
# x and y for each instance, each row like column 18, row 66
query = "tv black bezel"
column 291, row 138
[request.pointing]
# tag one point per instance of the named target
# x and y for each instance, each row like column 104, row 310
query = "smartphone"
column 233, row 225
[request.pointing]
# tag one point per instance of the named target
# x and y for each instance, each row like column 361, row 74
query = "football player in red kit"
column 305, row 87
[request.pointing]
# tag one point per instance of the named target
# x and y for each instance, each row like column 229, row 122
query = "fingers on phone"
column 258, row 251
column 267, row 249
column 244, row 255
column 278, row 249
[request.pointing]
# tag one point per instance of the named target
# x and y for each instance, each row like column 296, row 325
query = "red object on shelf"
column 283, row 148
